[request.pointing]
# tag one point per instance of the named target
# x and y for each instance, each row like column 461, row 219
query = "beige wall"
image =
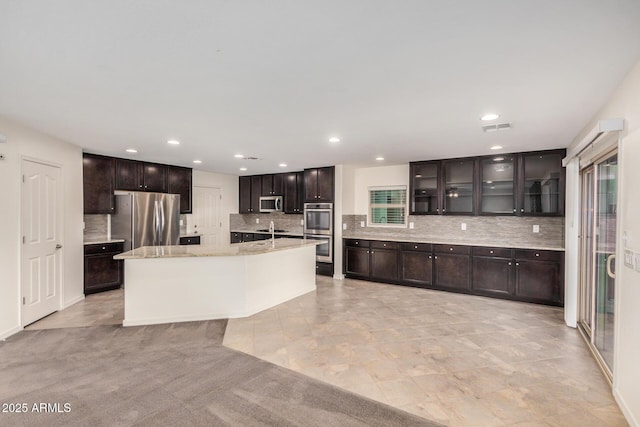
column 24, row 142
column 625, row 103
column 380, row 176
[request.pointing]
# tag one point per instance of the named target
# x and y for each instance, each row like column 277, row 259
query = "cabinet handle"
column 537, row 254
column 517, row 264
column 140, row 186
column 521, row 209
column 514, row 209
column 436, row 257
column 104, row 248
column 415, row 247
column 357, row 243
column 371, row 251
column 367, row 251
column 429, row 256
column 509, row 263
column 451, row 249
column 490, row 252
column 384, row 245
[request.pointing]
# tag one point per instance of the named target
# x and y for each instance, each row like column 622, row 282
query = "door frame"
column 221, row 228
column 62, row 251
column 588, row 333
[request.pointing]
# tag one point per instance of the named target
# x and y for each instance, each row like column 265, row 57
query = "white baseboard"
column 73, row 301
column 6, row 334
column 338, row 276
column 633, row 422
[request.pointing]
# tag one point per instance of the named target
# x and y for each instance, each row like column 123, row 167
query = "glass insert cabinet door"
column 498, row 176
column 424, row 180
column 542, row 184
column 458, row 186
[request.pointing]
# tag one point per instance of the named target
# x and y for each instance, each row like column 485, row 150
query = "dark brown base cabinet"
column 416, row 264
column 190, row 240
column 452, row 267
column 516, row 274
column 101, row 271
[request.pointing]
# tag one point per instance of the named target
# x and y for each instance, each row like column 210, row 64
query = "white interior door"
column 41, row 248
column 206, row 215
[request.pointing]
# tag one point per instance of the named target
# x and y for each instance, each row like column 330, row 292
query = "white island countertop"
column 236, row 249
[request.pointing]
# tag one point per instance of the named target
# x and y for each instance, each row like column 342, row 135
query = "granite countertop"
column 192, row 234
column 281, row 233
column 447, row 241
column 236, row 249
column 102, row 241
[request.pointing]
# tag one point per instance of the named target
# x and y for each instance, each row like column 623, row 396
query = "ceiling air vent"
column 250, row 158
column 495, row 128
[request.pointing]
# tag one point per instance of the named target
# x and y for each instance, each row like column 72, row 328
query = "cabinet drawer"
column 247, row 237
column 452, row 249
column 357, row 243
column 417, row 247
column 492, row 252
column 384, row 245
column 191, row 240
column 533, row 254
column 103, row 248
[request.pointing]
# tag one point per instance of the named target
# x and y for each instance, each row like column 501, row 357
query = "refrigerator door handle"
column 162, row 226
column 156, row 222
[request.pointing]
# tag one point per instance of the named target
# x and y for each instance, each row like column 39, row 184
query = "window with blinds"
column 387, row 206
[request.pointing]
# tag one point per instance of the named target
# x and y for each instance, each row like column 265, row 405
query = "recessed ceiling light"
column 488, row 117
column 131, row 150
column 379, row 158
column 197, row 162
column 238, row 156
column 243, row 169
column 498, row 159
column 334, row 139
column 496, row 147
column 173, row 142
column 283, row 165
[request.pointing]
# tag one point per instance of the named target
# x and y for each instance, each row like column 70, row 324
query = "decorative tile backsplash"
column 96, row 227
column 503, row 230
column 289, row 222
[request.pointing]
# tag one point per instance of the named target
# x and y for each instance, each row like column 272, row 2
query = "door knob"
column 58, row 246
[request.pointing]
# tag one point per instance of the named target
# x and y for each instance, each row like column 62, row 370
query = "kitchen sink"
column 266, row 230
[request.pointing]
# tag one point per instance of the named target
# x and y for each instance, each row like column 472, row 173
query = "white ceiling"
column 406, row 80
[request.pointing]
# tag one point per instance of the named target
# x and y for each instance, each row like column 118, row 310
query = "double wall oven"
column 318, row 225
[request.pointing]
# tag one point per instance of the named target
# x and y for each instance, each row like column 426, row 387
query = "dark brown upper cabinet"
column 244, row 191
column 98, row 177
column 542, row 180
column 424, row 187
column 155, row 177
column 293, row 193
column 273, row 184
column 528, row 184
column 132, row 175
column 497, row 187
column 318, row 184
column 250, row 190
column 458, row 178
column 129, row 175
column 179, row 182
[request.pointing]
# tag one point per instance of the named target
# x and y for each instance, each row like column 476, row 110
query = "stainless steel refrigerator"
column 146, row 219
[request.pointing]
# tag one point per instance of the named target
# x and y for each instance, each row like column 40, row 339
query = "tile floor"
column 457, row 359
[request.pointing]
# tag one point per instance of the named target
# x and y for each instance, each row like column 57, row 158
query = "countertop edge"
column 454, row 242
column 102, row 242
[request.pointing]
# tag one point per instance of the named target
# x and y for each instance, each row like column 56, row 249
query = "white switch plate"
column 344, row 226
column 636, row 261
column 411, row 225
column 629, row 259
column 463, row 226
column 361, row 223
column 302, row 222
column 257, row 220
column 181, row 222
column 536, row 228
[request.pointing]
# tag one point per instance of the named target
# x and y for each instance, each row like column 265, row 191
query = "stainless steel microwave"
column 271, row 204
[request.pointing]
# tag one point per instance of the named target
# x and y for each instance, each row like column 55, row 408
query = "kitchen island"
column 166, row 284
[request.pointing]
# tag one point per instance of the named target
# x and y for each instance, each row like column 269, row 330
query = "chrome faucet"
column 272, row 230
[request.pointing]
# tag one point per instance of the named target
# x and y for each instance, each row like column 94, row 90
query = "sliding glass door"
column 598, row 252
